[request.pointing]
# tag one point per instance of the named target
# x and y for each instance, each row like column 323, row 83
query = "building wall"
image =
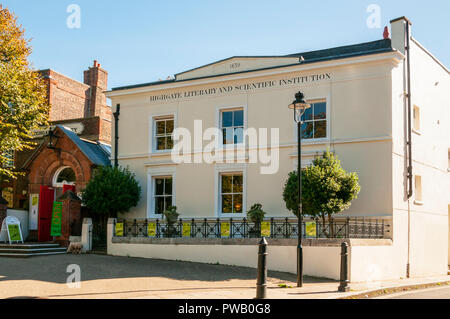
column 367, row 130
column 71, row 102
column 45, row 165
column 359, row 132
column 428, row 218
column 69, row 99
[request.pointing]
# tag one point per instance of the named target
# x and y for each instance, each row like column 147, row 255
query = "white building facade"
column 359, row 98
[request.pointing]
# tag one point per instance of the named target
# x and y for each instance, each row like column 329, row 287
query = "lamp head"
column 53, row 138
column 299, row 106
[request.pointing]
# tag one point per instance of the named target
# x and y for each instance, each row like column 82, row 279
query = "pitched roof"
column 96, row 153
column 367, row 48
column 346, row 51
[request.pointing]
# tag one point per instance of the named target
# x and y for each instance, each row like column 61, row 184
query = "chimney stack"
column 97, row 79
column 398, row 31
column 386, row 33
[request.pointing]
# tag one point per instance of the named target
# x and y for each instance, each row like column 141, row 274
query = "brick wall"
column 45, row 165
column 70, row 101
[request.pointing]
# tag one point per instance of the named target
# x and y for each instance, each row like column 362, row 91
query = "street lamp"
column 53, row 138
column 299, row 106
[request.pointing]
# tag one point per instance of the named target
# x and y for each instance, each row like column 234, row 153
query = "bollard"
column 345, row 282
column 261, row 285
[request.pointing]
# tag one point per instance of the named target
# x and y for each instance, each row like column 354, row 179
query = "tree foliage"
column 111, row 191
column 327, row 188
column 23, row 94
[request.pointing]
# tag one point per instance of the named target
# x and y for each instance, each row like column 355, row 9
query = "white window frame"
column 448, row 168
column 153, row 173
column 418, row 190
column 152, row 130
column 56, row 175
column 328, row 119
column 417, row 120
column 226, row 169
column 219, row 111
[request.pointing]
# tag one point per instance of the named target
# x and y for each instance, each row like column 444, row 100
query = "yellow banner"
column 311, row 229
column 186, row 230
column 119, row 230
column 265, row 229
column 225, row 229
column 151, row 230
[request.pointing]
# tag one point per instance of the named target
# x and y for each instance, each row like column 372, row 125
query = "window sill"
column 314, row 141
column 418, row 203
column 228, row 216
column 161, row 153
column 158, row 217
column 231, row 147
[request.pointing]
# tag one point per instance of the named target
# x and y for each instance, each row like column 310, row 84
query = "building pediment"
column 236, row 65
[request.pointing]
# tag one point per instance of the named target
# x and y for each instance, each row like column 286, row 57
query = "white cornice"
column 396, row 57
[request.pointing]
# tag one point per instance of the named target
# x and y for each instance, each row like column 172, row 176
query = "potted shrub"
column 256, row 215
column 171, row 216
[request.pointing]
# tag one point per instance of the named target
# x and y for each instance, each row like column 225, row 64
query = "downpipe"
column 409, row 142
column 116, row 136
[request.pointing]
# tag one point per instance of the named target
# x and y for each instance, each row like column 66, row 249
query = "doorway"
column 46, row 199
column 63, row 180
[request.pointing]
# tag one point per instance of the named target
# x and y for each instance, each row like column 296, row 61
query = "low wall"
column 322, row 257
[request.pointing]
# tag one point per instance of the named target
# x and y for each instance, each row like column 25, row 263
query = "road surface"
column 431, row 293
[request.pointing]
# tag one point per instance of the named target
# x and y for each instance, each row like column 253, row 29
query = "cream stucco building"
column 360, row 108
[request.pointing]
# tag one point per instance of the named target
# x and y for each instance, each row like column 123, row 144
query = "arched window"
column 64, row 176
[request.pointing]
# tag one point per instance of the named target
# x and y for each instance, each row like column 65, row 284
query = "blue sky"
column 139, row 41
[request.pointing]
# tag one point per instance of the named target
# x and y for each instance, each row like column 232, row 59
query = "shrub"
column 111, row 191
column 256, row 214
column 171, row 215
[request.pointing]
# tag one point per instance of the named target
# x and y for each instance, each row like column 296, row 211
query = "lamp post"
column 299, row 106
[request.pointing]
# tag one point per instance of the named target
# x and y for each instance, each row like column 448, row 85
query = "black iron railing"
column 286, row 228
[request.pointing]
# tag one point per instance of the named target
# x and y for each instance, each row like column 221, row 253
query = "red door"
column 68, row 188
column 46, row 199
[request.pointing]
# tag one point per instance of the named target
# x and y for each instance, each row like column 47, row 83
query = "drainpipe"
column 408, row 66
column 409, row 142
column 116, row 136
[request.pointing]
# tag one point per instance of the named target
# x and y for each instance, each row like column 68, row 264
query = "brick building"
column 77, row 141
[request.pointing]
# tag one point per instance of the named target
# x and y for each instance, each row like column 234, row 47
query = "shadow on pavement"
column 94, row 267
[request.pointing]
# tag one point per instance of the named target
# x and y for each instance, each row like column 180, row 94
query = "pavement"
column 108, row 277
column 430, row 293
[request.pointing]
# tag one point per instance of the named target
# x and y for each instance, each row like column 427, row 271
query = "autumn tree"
column 23, row 94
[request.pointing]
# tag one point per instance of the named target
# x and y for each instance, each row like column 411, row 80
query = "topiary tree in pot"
column 327, row 189
column 256, row 215
column 171, row 215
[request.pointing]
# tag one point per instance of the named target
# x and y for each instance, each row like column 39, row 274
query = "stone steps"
column 30, row 250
